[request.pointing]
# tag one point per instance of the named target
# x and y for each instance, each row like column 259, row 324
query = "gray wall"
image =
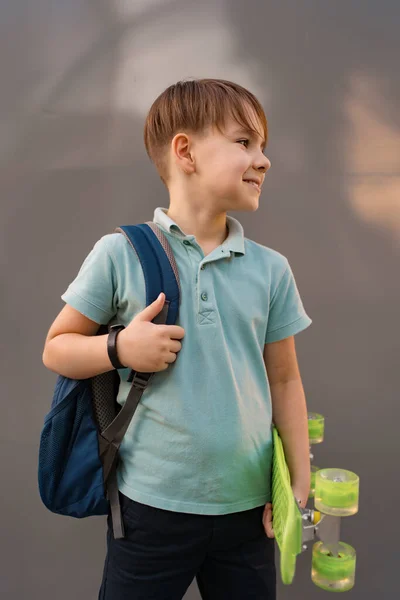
column 77, row 79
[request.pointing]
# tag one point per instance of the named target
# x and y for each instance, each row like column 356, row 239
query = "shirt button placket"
column 203, row 280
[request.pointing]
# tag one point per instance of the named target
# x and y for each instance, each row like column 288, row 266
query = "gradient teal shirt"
column 200, row 441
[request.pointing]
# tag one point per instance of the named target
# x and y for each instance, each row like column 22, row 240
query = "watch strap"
column 112, row 346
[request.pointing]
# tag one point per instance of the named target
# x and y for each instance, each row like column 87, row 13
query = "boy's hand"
column 267, row 520
column 146, row 347
column 268, row 512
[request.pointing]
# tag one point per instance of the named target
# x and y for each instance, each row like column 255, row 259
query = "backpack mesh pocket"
column 104, row 393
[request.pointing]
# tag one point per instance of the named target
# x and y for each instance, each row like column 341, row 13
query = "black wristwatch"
column 112, row 346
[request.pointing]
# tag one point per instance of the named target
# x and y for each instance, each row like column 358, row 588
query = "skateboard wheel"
column 336, row 492
column 330, row 572
column 314, row 470
column 315, row 428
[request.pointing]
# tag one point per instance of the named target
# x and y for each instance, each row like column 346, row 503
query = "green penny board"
column 287, row 521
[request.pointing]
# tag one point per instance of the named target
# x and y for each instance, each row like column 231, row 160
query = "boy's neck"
column 210, row 230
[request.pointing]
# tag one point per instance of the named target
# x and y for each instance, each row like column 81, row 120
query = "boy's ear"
column 180, row 147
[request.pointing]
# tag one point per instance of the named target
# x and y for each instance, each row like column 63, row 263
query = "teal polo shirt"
column 200, row 440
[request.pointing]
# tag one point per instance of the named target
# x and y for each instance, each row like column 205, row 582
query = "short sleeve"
column 286, row 312
column 93, row 291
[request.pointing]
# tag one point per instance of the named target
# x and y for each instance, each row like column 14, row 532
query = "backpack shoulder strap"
column 158, row 264
column 161, row 275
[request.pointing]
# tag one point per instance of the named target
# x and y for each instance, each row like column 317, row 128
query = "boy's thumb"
column 153, row 309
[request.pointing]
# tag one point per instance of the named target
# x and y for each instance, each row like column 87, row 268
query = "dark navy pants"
column 163, row 551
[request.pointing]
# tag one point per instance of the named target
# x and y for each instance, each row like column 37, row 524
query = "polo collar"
column 233, row 243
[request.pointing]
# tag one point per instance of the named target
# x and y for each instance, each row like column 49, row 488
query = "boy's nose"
column 267, row 164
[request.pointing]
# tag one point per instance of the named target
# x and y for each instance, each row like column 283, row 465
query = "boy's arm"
column 289, row 412
column 72, row 347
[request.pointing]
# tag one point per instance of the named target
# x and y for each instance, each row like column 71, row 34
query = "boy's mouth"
column 253, row 183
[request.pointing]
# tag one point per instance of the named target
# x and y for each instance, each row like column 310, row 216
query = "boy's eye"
column 248, row 142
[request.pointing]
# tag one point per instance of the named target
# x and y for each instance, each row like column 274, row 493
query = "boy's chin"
column 248, row 205
column 240, row 204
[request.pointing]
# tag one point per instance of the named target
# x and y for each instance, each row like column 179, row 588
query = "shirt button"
column 204, row 296
column 203, row 267
column 186, row 242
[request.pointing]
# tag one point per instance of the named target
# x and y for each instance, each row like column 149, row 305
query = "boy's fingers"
column 268, row 508
column 269, row 530
column 152, row 310
column 267, row 520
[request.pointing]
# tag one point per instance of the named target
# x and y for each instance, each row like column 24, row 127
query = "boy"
column 195, row 471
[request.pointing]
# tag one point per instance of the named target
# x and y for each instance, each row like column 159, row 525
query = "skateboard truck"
column 325, row 527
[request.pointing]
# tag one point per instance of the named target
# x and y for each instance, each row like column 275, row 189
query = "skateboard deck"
column 286, row 520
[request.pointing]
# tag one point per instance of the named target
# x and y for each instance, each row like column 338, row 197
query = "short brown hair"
column 194, row 106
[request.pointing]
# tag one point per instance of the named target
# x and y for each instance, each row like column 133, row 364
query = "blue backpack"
column 82, row 433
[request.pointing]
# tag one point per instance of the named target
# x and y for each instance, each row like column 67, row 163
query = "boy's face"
column 217, row 165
